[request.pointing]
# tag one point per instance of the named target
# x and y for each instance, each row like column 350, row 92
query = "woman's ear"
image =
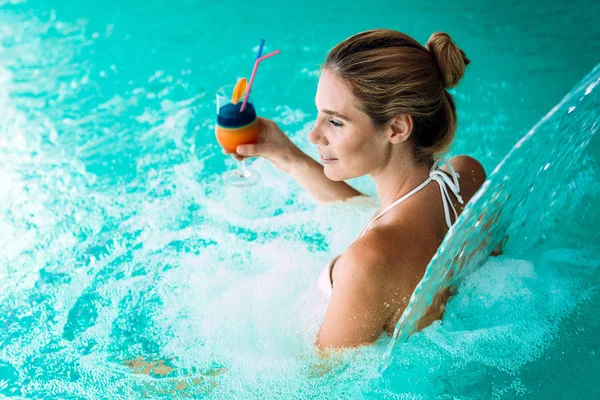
column 400, row 128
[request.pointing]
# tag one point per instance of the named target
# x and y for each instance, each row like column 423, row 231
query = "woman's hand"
column 272, row 145
column 276, row 147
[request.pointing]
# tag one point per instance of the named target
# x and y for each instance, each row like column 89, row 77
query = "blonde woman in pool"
column 383, row 111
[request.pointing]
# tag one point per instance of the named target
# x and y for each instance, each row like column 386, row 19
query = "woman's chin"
column 332, row 174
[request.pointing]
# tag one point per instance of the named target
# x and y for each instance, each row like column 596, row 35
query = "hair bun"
column 450, row 59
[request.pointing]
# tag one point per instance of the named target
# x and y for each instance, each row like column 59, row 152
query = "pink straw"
column 258, row 60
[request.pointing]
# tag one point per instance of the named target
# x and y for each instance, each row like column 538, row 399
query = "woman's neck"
column 400, row 175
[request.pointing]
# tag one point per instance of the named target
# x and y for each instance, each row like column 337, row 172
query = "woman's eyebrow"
column 335, row 113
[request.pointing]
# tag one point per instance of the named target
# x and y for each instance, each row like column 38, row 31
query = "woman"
column 384, row 112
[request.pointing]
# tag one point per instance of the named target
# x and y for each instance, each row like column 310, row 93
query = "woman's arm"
column 365, row 292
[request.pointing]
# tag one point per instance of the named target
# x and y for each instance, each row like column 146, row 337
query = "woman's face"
column 348, row 143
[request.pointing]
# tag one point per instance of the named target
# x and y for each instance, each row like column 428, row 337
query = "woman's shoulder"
column 470, row 170
column 379, row 249
column 472, row 174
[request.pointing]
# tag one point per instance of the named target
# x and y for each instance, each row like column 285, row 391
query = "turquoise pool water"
column 127, row 270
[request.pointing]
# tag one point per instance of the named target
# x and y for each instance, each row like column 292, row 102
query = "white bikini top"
column 325, row 281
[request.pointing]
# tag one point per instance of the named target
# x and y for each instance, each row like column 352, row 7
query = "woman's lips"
column 326, row 160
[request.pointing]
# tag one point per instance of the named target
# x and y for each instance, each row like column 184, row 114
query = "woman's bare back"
column 408, row 237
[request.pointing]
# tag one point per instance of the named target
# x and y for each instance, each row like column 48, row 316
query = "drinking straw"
column 260, row 49
column 249, row 88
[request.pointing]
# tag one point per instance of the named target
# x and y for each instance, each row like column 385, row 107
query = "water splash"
column 512, row 203
column 126, row 269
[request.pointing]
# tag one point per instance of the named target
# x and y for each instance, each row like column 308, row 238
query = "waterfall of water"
column 512, row 203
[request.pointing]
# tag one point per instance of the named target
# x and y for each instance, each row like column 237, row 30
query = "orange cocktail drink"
column 235, row 127
column 237, row 123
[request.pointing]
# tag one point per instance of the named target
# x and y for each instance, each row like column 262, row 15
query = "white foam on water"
column 159, row 261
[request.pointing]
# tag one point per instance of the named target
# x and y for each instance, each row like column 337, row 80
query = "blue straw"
column 260, row 49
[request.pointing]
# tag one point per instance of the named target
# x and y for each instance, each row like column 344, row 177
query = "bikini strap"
column 435, row 174
column 444, row 182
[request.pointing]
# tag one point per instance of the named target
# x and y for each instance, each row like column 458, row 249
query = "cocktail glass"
column 234, row 128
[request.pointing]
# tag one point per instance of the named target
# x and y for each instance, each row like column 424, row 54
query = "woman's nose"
column 315, row 136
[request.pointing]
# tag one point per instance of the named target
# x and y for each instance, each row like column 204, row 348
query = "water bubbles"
column 591, row 87
column 555, row 138
column 156, row 75
column 138, row 259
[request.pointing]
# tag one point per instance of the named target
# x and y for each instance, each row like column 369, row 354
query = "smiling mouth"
column 327, row 159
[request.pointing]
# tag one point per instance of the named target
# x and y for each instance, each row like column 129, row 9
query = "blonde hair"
column 390, row 73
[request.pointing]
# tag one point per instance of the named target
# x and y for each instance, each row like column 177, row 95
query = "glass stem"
column 242, row 168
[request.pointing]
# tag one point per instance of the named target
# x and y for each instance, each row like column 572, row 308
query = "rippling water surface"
column 127, row 270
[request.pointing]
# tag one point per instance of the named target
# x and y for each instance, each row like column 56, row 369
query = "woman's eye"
column 335, row 123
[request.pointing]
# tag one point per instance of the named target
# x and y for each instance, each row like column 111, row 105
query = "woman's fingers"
column 235, row 156
column 250, row 150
